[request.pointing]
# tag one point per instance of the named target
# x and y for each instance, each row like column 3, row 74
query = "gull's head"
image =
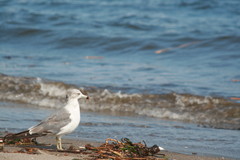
column 75, row 94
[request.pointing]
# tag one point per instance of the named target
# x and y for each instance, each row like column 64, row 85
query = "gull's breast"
column 70, row 127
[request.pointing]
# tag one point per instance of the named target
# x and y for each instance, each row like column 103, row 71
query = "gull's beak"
column 85, row 96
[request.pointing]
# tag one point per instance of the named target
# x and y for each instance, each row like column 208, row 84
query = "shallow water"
column 171, row 135
column 113, row 44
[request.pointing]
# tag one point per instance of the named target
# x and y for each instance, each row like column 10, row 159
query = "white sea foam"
column 197, row 109
column 53, row 90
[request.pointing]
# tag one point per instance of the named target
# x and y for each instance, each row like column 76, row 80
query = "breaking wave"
column 206, row 111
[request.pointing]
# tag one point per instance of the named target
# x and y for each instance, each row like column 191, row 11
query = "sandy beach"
column 11, row 152
column 154, row 71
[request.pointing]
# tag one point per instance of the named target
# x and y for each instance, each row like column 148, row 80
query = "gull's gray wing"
column 53, row 124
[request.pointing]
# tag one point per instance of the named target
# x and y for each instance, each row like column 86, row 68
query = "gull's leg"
column 59, row 143
column 57, row 140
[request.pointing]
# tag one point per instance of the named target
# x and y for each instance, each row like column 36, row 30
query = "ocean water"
column 150, row 65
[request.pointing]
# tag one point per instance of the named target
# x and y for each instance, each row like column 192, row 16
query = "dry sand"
column 10, row 152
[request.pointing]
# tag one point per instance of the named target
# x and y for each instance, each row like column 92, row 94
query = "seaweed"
column 125, row 149
column 114, row 149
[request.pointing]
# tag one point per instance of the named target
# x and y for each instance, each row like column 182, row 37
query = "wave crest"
column 206, row 111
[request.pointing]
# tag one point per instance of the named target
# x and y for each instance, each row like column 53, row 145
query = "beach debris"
column 172, row 48
column 235, row 98
column 235, row 80
column 30, row 150
column 125, row 149
column 163, row 50
column 1, row 144
column 94, row 57
column 112, row 149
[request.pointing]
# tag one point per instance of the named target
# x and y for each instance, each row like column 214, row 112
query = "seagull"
column 62, row 122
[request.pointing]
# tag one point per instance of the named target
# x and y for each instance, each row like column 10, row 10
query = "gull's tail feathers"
column 22, row 135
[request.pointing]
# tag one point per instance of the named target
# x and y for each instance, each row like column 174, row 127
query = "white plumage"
column 64, row 121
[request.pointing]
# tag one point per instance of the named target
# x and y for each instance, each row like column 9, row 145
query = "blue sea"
column 166, row 72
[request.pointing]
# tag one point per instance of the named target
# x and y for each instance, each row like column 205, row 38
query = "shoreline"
column 12, row 152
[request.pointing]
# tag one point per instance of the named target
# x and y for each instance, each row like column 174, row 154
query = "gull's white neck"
column 72, row 104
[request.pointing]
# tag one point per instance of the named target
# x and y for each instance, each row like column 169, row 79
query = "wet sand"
column 12, row 152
